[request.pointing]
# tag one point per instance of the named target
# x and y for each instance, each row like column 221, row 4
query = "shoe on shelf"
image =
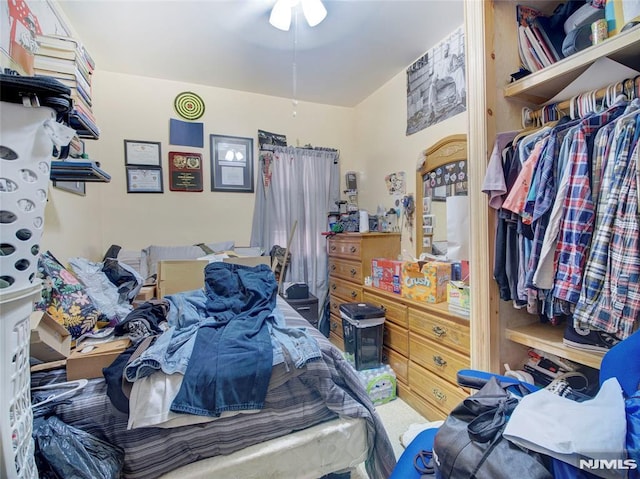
column 588, row 339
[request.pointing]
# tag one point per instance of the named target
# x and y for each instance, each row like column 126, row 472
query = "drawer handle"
column 333, row 247
column 353, row 272
column 353, row 249
column 438, row 361
column 438, row 331
column 385, row 358
column 333, row 287
column 383, row 308
column 354, row 294
column 439, row 395
column 333, row 267
column 334, row 326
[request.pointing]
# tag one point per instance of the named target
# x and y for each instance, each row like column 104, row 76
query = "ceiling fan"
column 314, row 12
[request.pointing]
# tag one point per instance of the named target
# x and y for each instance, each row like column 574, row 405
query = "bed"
column 317, row 419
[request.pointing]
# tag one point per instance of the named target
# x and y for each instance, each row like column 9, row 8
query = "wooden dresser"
column 425, row 345
column 350, row 256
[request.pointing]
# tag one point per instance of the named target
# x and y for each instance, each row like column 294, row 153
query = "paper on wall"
column 458, row 232
column 601, row 73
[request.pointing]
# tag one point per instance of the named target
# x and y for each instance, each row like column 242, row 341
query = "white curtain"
column 297, row 184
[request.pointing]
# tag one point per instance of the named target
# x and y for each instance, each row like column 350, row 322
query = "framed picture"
column 185, row 171
column 231, row 164
column 75, row 187
column 144, row 180
column 428, row 220
column 142, row 153
column 426, row 242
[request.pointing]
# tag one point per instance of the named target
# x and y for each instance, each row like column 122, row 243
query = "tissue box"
column 386, row 274
column 380, row 384
column 426, row 281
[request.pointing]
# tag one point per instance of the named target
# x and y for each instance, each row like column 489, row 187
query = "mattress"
column 325, row 395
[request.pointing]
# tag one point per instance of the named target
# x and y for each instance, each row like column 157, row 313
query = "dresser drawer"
column 396, row 337
column 349, row 270
column 440, row 330
column 442, row 394
column 350, row 292
column 394, row 312
column 437, row 358
column 398, row 362
column 336, row 341
column 335, row 325
column 345, row 247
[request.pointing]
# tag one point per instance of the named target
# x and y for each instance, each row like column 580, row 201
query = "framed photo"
column 426, row 242
column 185, row 171
column 75, row 187
column 142, row 153
column 426, row 205
column 231, row 164
column 144, row 180
column 427, row 230
column 428, row 220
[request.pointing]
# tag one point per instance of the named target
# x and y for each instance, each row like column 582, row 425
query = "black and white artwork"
column 436, row 84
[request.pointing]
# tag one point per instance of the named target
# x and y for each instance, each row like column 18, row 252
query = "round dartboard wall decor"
column 189, row 105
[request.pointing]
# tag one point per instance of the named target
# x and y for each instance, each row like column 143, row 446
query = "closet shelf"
column 541, row 86
column 548, row 338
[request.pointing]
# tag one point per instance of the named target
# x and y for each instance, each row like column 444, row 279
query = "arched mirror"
column 442, row 201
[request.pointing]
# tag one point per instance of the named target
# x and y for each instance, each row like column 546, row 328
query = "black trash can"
column 362, row 328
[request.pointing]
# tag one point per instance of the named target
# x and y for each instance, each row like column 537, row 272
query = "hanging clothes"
column 570, row 209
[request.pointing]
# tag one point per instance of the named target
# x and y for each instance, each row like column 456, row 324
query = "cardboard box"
column 50, row 341
column 387, row 274
column 146, row 293
column 425, row 281
column 87, row 365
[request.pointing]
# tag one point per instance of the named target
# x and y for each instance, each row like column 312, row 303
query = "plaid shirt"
column 576, row 224
column 545, row 192
column 610, row 297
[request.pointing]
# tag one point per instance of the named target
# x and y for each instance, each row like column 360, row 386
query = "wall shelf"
column 548, row 338
column 541, row 86
column 87, row 171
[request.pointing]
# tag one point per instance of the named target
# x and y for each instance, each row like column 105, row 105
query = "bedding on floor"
column 300, row 393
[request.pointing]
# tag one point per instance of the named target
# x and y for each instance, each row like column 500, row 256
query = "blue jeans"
column 230, row 365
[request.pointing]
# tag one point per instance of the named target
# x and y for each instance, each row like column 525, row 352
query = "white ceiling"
column 359, row 47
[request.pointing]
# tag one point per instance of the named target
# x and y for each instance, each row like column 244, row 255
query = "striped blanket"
column 320, row 391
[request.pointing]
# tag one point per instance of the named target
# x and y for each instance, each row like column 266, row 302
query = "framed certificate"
column 142, row 153
column 231, row 164
column 144, row 180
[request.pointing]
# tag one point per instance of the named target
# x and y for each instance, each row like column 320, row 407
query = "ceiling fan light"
column 314, row 11
column 281, row 15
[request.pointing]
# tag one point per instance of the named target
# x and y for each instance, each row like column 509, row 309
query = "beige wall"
column 137, row 108
column 383, row 147
column 371, row 139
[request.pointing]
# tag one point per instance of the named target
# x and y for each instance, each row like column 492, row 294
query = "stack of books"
column 66, row 60
column 539, row 44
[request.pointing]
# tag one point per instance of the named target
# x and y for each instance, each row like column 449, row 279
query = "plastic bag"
column 66, row 452
column 124, row 277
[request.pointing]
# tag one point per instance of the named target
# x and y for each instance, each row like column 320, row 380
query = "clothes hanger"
column 71, row 387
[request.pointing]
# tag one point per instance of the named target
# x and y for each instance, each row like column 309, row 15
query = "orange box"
column 387, row 274
column 425, row 281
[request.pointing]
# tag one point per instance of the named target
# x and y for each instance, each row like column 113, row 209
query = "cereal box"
column 386, row 274
column 426, row 281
